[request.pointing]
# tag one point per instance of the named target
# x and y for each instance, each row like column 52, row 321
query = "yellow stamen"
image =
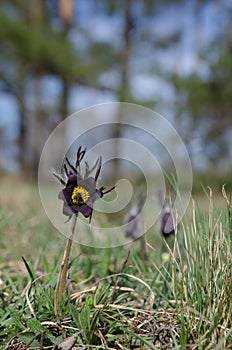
column 79, row 195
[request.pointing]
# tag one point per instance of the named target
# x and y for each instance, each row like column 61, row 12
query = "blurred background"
column 59, row 56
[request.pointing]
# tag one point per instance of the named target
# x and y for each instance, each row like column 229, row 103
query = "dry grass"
column 180, row 302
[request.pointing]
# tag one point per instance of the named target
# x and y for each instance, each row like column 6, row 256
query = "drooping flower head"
column 134, row 225
column 80, row 192
column 133, row 228
column 167, row 222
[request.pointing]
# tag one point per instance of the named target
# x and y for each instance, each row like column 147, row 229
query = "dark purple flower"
column 79, row 195
column 134, row 226
column 133, row 229
column 167, row 223
column 79, row 192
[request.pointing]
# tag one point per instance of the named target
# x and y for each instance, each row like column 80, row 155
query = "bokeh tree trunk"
column 124, row 91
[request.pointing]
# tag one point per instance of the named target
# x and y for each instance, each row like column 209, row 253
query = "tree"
column 208, row 102
column 31, row 49
column 27, row 56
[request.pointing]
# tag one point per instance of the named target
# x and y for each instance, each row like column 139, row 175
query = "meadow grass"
column 178, row 297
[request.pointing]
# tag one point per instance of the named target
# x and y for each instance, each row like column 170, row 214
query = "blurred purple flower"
column 134, row 226
column 167, row 223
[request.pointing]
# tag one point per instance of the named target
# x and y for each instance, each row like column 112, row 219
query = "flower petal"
column 89, row 184
column 67, row 210
column 72, row 180
column 67, row 194
column 86, row 210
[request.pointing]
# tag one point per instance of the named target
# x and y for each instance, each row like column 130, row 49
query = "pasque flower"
column 80, row 193
column 134, row 225
column 167, row 222
column 133, row 228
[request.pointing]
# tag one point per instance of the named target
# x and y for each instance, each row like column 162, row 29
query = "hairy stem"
column 62, row 277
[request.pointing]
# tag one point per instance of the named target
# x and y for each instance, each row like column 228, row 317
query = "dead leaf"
column 67, row 344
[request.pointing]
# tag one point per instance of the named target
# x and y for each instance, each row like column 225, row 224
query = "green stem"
column 62, row 277
column 143, row 247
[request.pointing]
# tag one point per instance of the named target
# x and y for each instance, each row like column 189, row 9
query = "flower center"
column 79, row 195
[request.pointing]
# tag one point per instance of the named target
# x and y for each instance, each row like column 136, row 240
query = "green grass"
column 181, row 300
